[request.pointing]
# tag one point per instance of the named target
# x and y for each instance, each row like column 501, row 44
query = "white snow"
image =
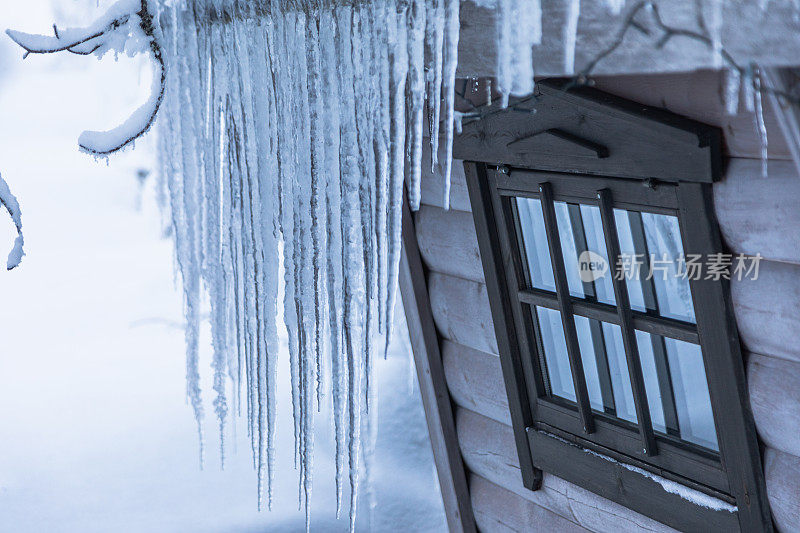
column 118, row 30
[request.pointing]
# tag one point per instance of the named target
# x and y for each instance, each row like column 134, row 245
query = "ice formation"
column 286, row 131
column 9, row 201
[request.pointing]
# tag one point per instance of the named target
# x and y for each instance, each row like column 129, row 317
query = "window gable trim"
column 628, row 140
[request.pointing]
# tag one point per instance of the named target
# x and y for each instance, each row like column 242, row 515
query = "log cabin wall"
column 756, row 215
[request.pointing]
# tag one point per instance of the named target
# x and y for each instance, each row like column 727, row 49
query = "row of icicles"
column 284, row 138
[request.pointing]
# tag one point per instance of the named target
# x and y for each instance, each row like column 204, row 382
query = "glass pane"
column 534, row 243
column 651, row 384
column 580, row 230
column 652, row 250
column 677, row 389
column 605, row 367
column 555, row 353
column 693, row 402
column 618, row 368
column 672, row 290
column 590, row 338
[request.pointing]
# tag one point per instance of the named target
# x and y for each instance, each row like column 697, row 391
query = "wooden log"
column 488, row 450
column 436, row 226
column 774, row 386
column 497, row 509
column 760, row 215
column 442, row 233
column 461, row 311
column 475, row 381
column 432, row 186
column 700, row 96
column 782, row 471
column 767, row 312
column 768, row 38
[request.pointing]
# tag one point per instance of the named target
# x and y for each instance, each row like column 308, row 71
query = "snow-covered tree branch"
column 127, row 27
column 10, row 203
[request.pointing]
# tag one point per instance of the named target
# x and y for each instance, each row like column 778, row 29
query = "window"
column 621, row 360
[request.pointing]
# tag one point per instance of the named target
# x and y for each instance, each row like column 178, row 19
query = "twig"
column 703, row 36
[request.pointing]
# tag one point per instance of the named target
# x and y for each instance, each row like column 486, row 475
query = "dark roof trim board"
column 591, row 132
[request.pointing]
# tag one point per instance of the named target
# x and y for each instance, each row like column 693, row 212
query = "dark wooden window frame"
column 603, row 454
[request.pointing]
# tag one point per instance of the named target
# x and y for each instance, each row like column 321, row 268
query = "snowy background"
column 95, row 433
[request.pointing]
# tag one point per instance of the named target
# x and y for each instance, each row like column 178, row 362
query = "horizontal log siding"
column 497, row 509
column 495, row 459
column 767, row 39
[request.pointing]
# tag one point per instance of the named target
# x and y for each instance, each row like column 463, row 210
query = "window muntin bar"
column 593, row 289
column 608, row 313
column 565, row 305
column 626, row 325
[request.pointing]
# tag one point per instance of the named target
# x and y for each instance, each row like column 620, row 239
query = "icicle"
column 527, row 15
column 399, row 69
column 571, row 35
column 416, row 86
column 352, row 241
column 434, row 43
column 505, row 30
column 733, row 81
column 761, row 127
column 448, row 86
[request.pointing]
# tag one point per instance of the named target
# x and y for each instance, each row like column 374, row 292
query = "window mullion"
column 595, row 327
column 626, row 324
column 565, row 305
column 659, row 346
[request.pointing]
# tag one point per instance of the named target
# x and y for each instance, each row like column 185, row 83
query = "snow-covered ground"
column 95, row 434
